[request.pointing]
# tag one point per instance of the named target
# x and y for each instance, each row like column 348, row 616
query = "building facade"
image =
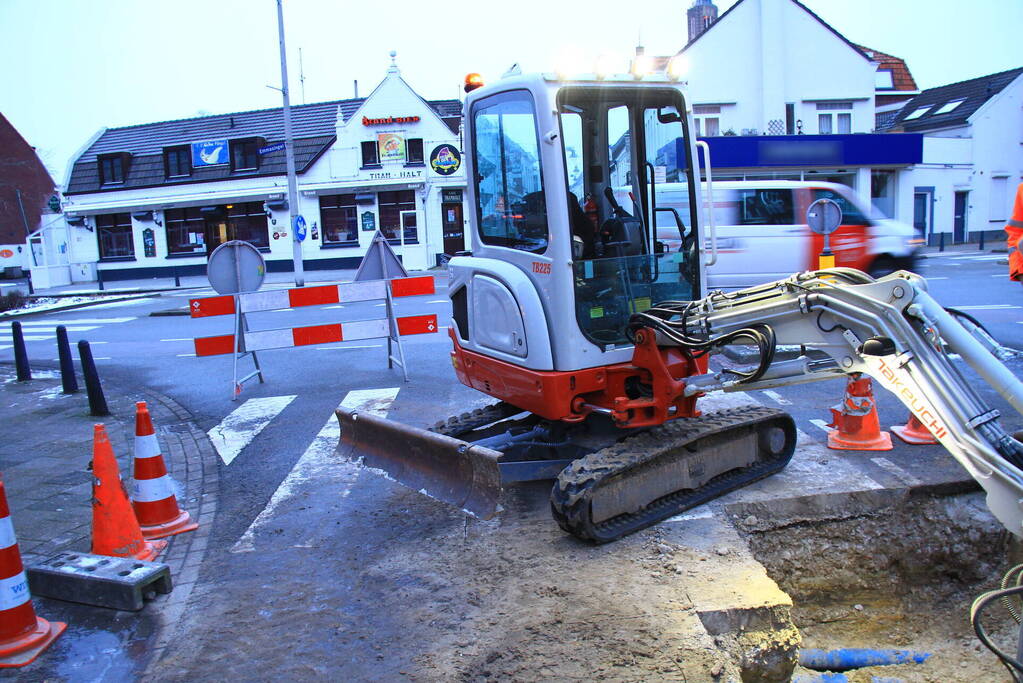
column 156, row 199
column 972, row 156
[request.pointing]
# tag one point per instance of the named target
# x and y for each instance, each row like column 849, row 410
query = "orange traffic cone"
column 856, row 420
column 914, row 432
column 115, row 530
column 23, row 635
column 151, row 495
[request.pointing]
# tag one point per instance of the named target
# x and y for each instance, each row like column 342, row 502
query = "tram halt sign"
column 299, row 224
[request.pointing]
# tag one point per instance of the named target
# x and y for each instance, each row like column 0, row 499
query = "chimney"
column 356, row 86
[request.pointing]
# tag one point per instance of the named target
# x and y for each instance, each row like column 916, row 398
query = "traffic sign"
column 824, row 216
column 236, row 266
column 300, row 227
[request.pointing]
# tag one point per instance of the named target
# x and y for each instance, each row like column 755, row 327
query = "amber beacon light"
column 473, row 81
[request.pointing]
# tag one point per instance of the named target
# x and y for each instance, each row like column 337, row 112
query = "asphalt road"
column 134, row 346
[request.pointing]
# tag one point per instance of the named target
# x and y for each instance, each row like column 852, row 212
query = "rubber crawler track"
column 572, row 492
column 459, row 425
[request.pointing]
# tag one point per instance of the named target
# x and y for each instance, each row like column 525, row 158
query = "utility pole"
column 289, row 154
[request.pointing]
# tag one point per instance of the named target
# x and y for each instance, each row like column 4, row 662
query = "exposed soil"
column 902, row 579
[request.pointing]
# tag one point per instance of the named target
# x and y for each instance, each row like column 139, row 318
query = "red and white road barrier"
column 23, row 635
column 277, row 299
column 244, row 341
column 315, row 334
column 152, row 492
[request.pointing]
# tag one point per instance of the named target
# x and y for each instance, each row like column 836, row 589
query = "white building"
column 778, row 93
column 972, row 155
column 156, row 199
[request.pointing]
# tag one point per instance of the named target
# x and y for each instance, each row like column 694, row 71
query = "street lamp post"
column 289, row 154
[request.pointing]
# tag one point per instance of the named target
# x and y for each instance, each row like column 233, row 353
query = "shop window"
column 112, row 169
column 177, row 162
column 339, row 218
column 185, row 231
column 511, row 209
column 115, row 237
column 370, row 157
column 882, row 191
column 414, row 151
column 765, row 207
column 390, row 206
column 247, row 222
column 245, row 154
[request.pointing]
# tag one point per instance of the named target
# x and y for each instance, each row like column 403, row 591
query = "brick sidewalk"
column 45, row 459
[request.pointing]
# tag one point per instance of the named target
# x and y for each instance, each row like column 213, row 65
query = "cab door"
column 758, row 239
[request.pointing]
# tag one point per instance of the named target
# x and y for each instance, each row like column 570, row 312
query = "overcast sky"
column 71, row 67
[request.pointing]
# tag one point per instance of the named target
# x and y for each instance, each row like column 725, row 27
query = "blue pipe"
column 848, row 658
column 839, row 678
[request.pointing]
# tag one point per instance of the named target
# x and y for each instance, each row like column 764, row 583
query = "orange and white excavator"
column 595, row 338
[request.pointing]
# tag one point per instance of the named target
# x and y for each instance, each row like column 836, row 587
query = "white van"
column 762, row 233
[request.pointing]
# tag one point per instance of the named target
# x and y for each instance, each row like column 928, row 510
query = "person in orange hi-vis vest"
column 1014, row 230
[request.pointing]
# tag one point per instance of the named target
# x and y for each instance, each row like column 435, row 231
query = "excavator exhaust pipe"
column 448, row 469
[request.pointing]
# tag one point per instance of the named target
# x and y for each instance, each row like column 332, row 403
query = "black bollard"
column 982, row 240
column 97, row 402
column 67, row 365
column 99, row 278
column 177, row 277
column 20, row 354
column 941, row 241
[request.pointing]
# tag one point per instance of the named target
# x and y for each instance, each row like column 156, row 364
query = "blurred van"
column 762, row 235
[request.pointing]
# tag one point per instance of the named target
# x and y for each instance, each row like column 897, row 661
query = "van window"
column 765, row 207
column 511, row 208
column 851, row 215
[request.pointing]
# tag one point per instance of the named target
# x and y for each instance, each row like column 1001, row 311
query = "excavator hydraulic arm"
column 890, row 329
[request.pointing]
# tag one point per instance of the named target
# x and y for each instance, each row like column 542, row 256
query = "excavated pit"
column 902, row 576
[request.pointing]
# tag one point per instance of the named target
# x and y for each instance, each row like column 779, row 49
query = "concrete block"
column 114, row 582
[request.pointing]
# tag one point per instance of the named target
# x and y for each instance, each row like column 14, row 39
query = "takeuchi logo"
column 366, row 121
column 445, row 159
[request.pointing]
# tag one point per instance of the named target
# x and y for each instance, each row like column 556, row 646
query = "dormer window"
column 177, row 161
column 112, row 168
column 245, row 154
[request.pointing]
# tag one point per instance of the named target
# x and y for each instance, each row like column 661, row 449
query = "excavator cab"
column 563, row 182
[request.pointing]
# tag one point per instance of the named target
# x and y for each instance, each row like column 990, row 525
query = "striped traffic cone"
column 855, row 419
column 151, row 494
column 914, row 432
column 23, row 635
column 115, row 530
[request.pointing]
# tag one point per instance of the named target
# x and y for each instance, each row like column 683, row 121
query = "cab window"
column 851, row 215
column 765, row 207
column 510, row 203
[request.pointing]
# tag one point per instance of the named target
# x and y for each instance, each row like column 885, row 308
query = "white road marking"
column 177, row 340
column 896, row 471
column 986, row 307
column 53, row 332
column 931, row 277
column 75, row 321
column 438, row 301
column 238, row 429
column 26, row 337
column 822, row 424
column 318, row 457
column 777, row 398
column 186, row 355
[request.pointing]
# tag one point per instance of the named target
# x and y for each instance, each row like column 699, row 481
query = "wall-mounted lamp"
column 142, row 215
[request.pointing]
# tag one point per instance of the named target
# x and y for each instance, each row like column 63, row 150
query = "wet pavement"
column 45, row 461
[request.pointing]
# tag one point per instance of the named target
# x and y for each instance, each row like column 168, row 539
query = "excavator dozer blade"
column 442, row 467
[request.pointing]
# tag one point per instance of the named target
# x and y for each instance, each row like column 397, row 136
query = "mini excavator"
column 594, row 337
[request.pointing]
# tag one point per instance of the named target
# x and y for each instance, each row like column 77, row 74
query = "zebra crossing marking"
column 237, row 430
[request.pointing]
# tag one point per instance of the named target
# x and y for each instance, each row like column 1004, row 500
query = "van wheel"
column 882, row 265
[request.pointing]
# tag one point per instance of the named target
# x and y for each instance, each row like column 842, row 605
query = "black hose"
column 976, row 612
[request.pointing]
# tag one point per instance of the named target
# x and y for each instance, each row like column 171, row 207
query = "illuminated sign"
column 366, row 121
column 445, row 159
column 391, row 146
column 209, row 153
